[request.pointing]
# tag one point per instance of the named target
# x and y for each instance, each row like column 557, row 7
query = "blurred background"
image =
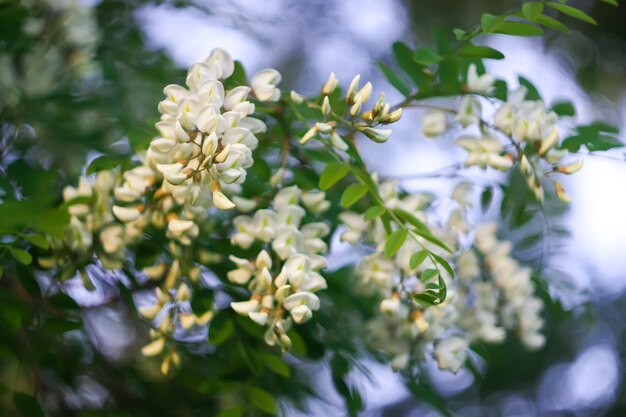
column 80, row 78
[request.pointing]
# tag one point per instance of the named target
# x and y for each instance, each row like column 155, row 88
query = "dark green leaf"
column 27, row 405
column 105, row 162
column 426, row 56
column 38, row 240
column 275, row 363
column 352, row 194
column 572, row 12
column 395, row 79
column 262, row 400
column 415, row 71
column 394, row 242
column 611, row 2
column 485, row 198
column 21, row 255
column 479, row 51
column 564, row 108
column 220, row 329
column 532, row 92
column 332, row 173
column 445, row 264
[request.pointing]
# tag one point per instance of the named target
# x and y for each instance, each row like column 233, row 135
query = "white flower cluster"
column 479, row 307
column 90, row 218
column 206, row 143
column 521, row 121
column 365, row 122
column 284, row 276
column 505, row 301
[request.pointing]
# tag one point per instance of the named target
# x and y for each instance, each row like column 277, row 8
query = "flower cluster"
column 284, row 276
column 487, row 299
column 206, row 143
column 365, row 122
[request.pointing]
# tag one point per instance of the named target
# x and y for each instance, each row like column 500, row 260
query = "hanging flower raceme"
column 284, row 277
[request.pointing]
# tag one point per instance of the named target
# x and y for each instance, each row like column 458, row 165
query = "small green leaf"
column 459, row 33
column 479, row 51
column 426, row 56
column 445, row 264
column 373, row 212
column 519, row 29
column 572, row 12
column 532, row 10
column 611, row 2
column 262, row 400
column 429, row 274
column 220, row 329
column 485, row 198
column 552, row 23
column 105, row 162
column 332, row 173
column 275, row 364
column 417, row 258
column 532, row 92
column 564, row 108
column 352, row 194
column 426, row 299
column 21, row 256
column 395, row 79
column 27, row 405
column 38, row 240
column 491, row 23
column 394, row 242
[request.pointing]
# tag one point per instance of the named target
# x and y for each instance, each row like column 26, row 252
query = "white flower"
column 451, row 353
column 484, row 152
column 126, row 214
column 469, row 112
column 433, row 123
column 315, row 202
column 245, row 307
column 264, row 83
column 481, row 84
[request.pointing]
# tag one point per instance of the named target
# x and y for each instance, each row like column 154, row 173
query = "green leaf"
column 479, row 51
column 139, row 138
column 415, row 71
column 519, row 29
column 597, row 136
column 220, row 329
column 532, row 92
column 395, row 79
column 429, row 274
column 27, row 405
column 417, row 258
column 373, row 212
column 444, row 263
column 426, row 299
column 552, row 23
column 262, row 400
column 486, row 197
column 57, row 327
column 421, row 229
column 491, row 23
column 38, row 240
column 275, row 364
column 532, row 10
column 238, row 411
column 611, row 2
column 564, row 108
column 105, row 162
column 352, row 194
column 394, row 242
column 426, row 56
column 21, row 256
column 332, row 173
column 572, row 12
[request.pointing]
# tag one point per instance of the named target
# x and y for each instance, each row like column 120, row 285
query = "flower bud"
column 296, row 98
column 570, row 168
column 330, row 85
column 154, row 348
column 326, row 106
column 352, row 89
